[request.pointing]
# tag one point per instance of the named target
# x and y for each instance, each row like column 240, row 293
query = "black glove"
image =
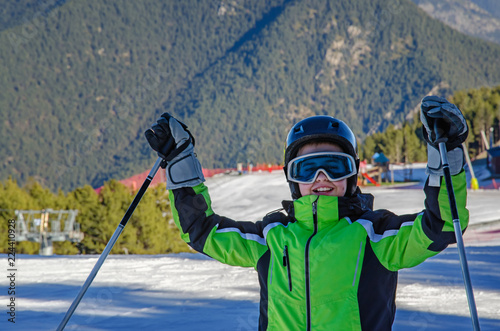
column 442, row 121
column 174, row 143
column 162, row 141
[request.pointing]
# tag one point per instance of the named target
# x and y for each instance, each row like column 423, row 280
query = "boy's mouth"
column 322, row 189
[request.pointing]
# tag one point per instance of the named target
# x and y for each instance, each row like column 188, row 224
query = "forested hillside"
column 404, row 143
column 20, row 12
column 80, row 83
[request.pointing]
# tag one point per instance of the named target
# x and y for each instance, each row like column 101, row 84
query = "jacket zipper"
column 308, row 276
column 286, row 263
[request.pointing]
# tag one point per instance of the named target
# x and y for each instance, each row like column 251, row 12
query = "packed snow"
column 192, row 292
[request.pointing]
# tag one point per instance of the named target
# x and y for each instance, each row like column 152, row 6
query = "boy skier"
column 328, row 262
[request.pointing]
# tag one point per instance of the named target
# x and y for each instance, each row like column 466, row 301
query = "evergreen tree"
column 149, row 231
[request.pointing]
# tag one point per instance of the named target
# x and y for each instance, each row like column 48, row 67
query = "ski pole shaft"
column 110, row 244
column 458, row 234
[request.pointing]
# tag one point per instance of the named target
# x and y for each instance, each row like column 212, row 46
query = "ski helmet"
column 318, row 129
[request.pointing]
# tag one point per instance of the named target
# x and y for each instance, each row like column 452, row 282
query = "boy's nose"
column 321, row 177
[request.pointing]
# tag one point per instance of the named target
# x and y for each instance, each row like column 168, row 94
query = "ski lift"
column 46, row 226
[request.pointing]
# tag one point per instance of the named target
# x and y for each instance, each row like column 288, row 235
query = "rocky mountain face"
column 479, row 18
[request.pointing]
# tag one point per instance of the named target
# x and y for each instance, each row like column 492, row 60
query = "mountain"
column 81, row 82
column 479, row 18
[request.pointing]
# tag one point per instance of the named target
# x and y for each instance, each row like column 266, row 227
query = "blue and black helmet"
column 318, row 129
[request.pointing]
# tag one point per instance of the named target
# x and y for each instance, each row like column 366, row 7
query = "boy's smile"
column 322, row 186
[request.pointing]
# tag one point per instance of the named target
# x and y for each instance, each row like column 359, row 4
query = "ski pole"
column 110, row 244
column 458, row 233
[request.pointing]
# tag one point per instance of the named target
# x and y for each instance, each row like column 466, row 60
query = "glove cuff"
column 184, row 170
column 456, row 161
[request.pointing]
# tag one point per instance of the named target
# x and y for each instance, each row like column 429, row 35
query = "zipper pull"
column 285, row 256
column 286, row 263
column 315, row 215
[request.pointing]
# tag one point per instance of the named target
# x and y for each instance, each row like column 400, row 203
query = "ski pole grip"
column 439, row 132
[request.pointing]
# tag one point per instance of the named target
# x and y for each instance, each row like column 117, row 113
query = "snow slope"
column 193, row 292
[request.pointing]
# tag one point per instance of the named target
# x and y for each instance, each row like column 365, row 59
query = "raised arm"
column 407, row 240
column 231, row 242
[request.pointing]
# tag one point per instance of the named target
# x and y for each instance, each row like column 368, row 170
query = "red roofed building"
column 136, row 181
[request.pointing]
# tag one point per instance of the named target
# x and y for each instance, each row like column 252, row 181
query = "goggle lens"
column 336, row 166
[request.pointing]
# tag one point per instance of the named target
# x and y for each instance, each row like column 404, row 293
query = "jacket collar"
column 329, row 208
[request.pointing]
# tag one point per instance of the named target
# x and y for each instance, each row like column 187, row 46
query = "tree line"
column 404, row 143
column 150, row 229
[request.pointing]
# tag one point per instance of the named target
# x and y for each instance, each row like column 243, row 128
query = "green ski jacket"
column 325, row 263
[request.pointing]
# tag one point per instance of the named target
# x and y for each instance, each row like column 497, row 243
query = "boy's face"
column 322, row 186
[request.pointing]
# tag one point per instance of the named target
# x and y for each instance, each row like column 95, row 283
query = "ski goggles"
column 336, row 166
